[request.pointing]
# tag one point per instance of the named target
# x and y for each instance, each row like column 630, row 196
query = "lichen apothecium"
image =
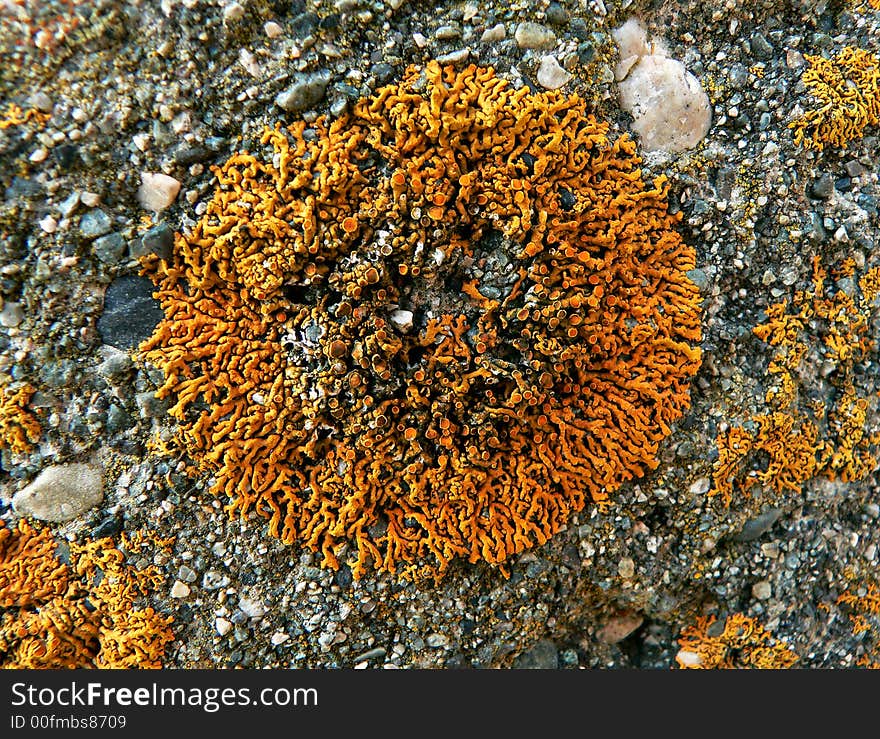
column 433, row 328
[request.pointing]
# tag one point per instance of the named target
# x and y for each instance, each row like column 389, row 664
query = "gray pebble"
column 534, row 36
column 110, row 248
column 94, row 223
column 542, row 656
column 61, row 493
column 305, row 93
column 761, row 47
column 151, row 406
column 758, row 525
column 822, row 187
column 158, row 240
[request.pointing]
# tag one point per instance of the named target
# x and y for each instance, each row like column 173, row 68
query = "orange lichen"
column 15, row 116
column 847, row 87
column 431, row 329
column 19, row 427
column 81, row 613
column 801, row 443
column 741, row 643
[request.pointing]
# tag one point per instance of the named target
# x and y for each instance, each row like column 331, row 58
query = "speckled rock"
column 61, row 493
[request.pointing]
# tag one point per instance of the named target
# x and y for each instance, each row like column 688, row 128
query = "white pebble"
column 496, row 33
column 90, row 199
column 157, row 190
column 279, row 637
column 179, row 589
column 39, row 156
column 272, row 29
column 249, row 62
column 223, row 626
column 233, row 12
column 551, row 76
column 49, row 224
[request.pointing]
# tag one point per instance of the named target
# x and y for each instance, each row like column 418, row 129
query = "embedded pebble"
column 157, row 190
column 180, row 590
column 496, row 33
column 530, row 35
column 12, row 315
column 61, row 493
column 551, row 76
column 305, row 93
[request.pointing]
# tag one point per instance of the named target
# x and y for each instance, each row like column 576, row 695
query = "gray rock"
column 542, row 656
column 758, row 525
column 699, row 278
column 95, row 223
column 151, row 406
column 305, row 93
column 61, row 493
column 823, row 187
column 761, row 47
column 158, row 240
column 534, row 36
column 110, row 248
column 556, row 15
column 130, row 312
column 116, row 364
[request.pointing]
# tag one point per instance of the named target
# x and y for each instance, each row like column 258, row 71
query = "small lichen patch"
column 741, row 643
column 79, row 613
column 19, row 426
column 802, row 439
column 15, row 116
column 431, row 329
column 847, row 87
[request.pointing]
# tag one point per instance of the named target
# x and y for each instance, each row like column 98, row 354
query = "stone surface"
column 534, row 36
column 542, row 656
column 551, row 75
column 61, row 493
column 671, row 111
column 157, row 190
column 130, row 312
column 306, row 92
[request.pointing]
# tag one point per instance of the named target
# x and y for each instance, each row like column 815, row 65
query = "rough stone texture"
column 534, row 36
column 550, row 75
column 670, row 109
column 303, row 94
column 157, row 190
column 130, row 312
column 61, row 493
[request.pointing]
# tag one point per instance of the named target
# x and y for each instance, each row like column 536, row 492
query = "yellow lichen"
column 797, row 442
column 847, row 87
column 742, row 643
column 19, row 427
column 15, row 116
column 431, row 329
column 78, row 613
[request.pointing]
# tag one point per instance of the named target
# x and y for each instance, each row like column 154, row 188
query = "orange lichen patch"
column 15, row 116
column 741, row 643
column 797, row 442
column 862, row 606
column 81, row 613
column 847, row 87
column 431, row 329
column 19, row 427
